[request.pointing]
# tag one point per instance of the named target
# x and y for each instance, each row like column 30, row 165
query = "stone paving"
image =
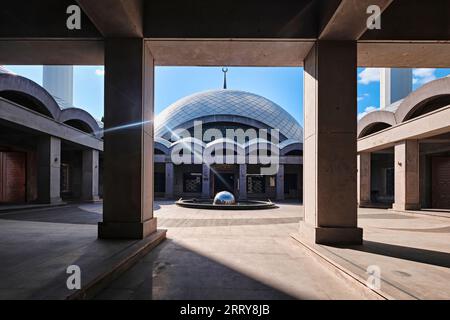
column 36, row 247
column 411, row 250
column 226, row 254
column 212, row 254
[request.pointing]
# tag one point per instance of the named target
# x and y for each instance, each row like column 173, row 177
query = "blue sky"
column 369, row 85
column 284, row 86
column 87, row 85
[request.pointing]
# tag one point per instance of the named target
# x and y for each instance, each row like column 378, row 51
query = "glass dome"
column 225, row 102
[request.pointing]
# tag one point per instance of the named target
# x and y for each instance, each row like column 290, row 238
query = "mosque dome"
column 231, row 106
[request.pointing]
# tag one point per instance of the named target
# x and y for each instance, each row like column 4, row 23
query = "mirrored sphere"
column 224, row 197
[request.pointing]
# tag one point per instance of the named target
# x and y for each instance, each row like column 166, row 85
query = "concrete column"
column 407, row 184
column 364, row 183
column 330, row 144
column 243, row 181
column 206, row 177
column 280, row 182
column 170, row 180
column 128, row 140
column 89, row 175
column 424, row 182
column 49, row 169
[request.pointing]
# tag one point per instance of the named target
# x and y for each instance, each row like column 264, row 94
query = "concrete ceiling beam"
column 229, row 52
column 115, row 18
column 413, row 20
column 51, row 52
column 346, row 19
column 404, row 54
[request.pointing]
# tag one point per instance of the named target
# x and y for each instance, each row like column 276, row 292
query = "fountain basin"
column 240, row 205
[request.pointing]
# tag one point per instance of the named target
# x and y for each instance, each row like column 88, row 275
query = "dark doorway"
column 223, row 182
column 160, row 182
column 290, row 185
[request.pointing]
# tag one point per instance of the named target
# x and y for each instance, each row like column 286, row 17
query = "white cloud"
column 100, row 72
column 363, row 96
column 424, row 75
column 4, row 69
column 366, row 111
column 369, row 75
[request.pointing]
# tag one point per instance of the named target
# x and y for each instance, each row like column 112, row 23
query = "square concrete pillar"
column 243, row 181
column 89, row 175
column 406, row 184
column 170, row 180
column 280, row 182
column 49, row 169
column 128, row 141
column 206, row 177
column 330, row 144
column 364, row 183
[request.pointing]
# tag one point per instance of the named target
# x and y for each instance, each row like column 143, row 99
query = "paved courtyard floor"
column 211, row 254
column 412, row 251
column 227, row 255
column 37, row 246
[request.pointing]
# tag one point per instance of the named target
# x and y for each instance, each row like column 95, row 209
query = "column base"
column 126, row 230
column 331, row 235
column 405, row 206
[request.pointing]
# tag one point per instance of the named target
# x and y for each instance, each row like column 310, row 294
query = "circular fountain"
column 225, row 200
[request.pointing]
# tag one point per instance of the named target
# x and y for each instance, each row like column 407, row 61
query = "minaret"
column 58, row 80
column 395, row 84
column 224, row 70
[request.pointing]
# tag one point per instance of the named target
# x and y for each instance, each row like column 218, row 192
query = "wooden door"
column 12, row 177
column 440, row 190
